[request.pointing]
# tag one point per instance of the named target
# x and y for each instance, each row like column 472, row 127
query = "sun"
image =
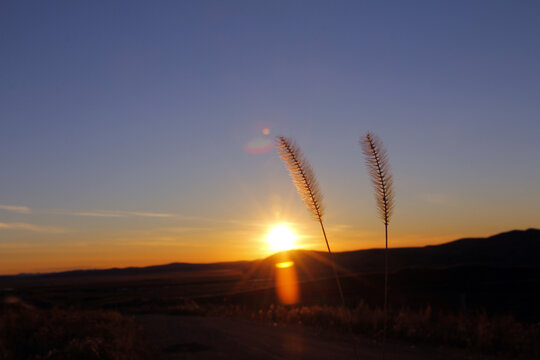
column 281, row 238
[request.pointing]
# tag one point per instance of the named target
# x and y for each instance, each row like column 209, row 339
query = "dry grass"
column 29, row 333
column 378, row 167
column 307, row 186
column 302, row 175
column 499, row 335
column 383, row 183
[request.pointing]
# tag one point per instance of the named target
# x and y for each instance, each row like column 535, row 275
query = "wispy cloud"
column 148, row 214
column 17, row 209
column 15, row 246
column 340, row 227
column 32, row 228
column 182, row 229
column 87, row 213
column 110, row 213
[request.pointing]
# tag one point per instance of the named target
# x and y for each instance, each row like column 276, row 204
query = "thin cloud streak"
column 197, row 222
column 110, row 213
column 32, row 228
column 182, row 229
column 88, row 213
column 124, row 214
column 17, row 246
column 149, row 214
column 17, row 209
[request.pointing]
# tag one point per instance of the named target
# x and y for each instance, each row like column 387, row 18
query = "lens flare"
column 287, row 289
column 258, row 145
column 285, row 264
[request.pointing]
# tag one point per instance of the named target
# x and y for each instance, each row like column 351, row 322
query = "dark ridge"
column 517, row 248
column 510, row 249
column 148, row 270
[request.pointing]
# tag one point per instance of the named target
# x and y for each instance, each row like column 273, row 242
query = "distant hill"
column 518, row 248
column 136, row 271
column 510, row 249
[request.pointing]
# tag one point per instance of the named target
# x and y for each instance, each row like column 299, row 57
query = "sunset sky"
column 137, row 133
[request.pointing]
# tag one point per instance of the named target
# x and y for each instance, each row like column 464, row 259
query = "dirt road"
column 188, row 337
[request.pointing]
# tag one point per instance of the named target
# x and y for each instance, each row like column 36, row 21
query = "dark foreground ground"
column 477, row 296
column 201, row 338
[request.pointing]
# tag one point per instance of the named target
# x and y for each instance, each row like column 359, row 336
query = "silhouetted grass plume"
column 307, row 186
column 381, row 177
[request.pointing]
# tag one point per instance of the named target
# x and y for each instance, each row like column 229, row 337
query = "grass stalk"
column 378, row 167
column 307, row 186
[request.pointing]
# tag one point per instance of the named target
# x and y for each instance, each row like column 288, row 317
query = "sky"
column 136, row 133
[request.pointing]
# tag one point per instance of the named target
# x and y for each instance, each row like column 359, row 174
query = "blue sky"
column 124, row 108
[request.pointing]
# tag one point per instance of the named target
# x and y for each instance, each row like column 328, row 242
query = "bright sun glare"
column 281, row 238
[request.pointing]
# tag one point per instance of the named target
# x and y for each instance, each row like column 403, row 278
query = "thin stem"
column 339, row 288
column 385, row 280
column 333, row 265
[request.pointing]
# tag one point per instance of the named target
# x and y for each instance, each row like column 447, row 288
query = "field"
column 474, row 309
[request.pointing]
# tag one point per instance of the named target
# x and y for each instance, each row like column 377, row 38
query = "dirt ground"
column 191, row 337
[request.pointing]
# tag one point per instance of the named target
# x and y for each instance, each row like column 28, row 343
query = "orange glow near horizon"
column 143, row 245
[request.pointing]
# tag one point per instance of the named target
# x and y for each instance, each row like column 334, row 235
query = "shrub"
column 29, row 333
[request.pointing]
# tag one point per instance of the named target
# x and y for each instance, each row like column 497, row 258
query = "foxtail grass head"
column 378, row 167
column 301, row 174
